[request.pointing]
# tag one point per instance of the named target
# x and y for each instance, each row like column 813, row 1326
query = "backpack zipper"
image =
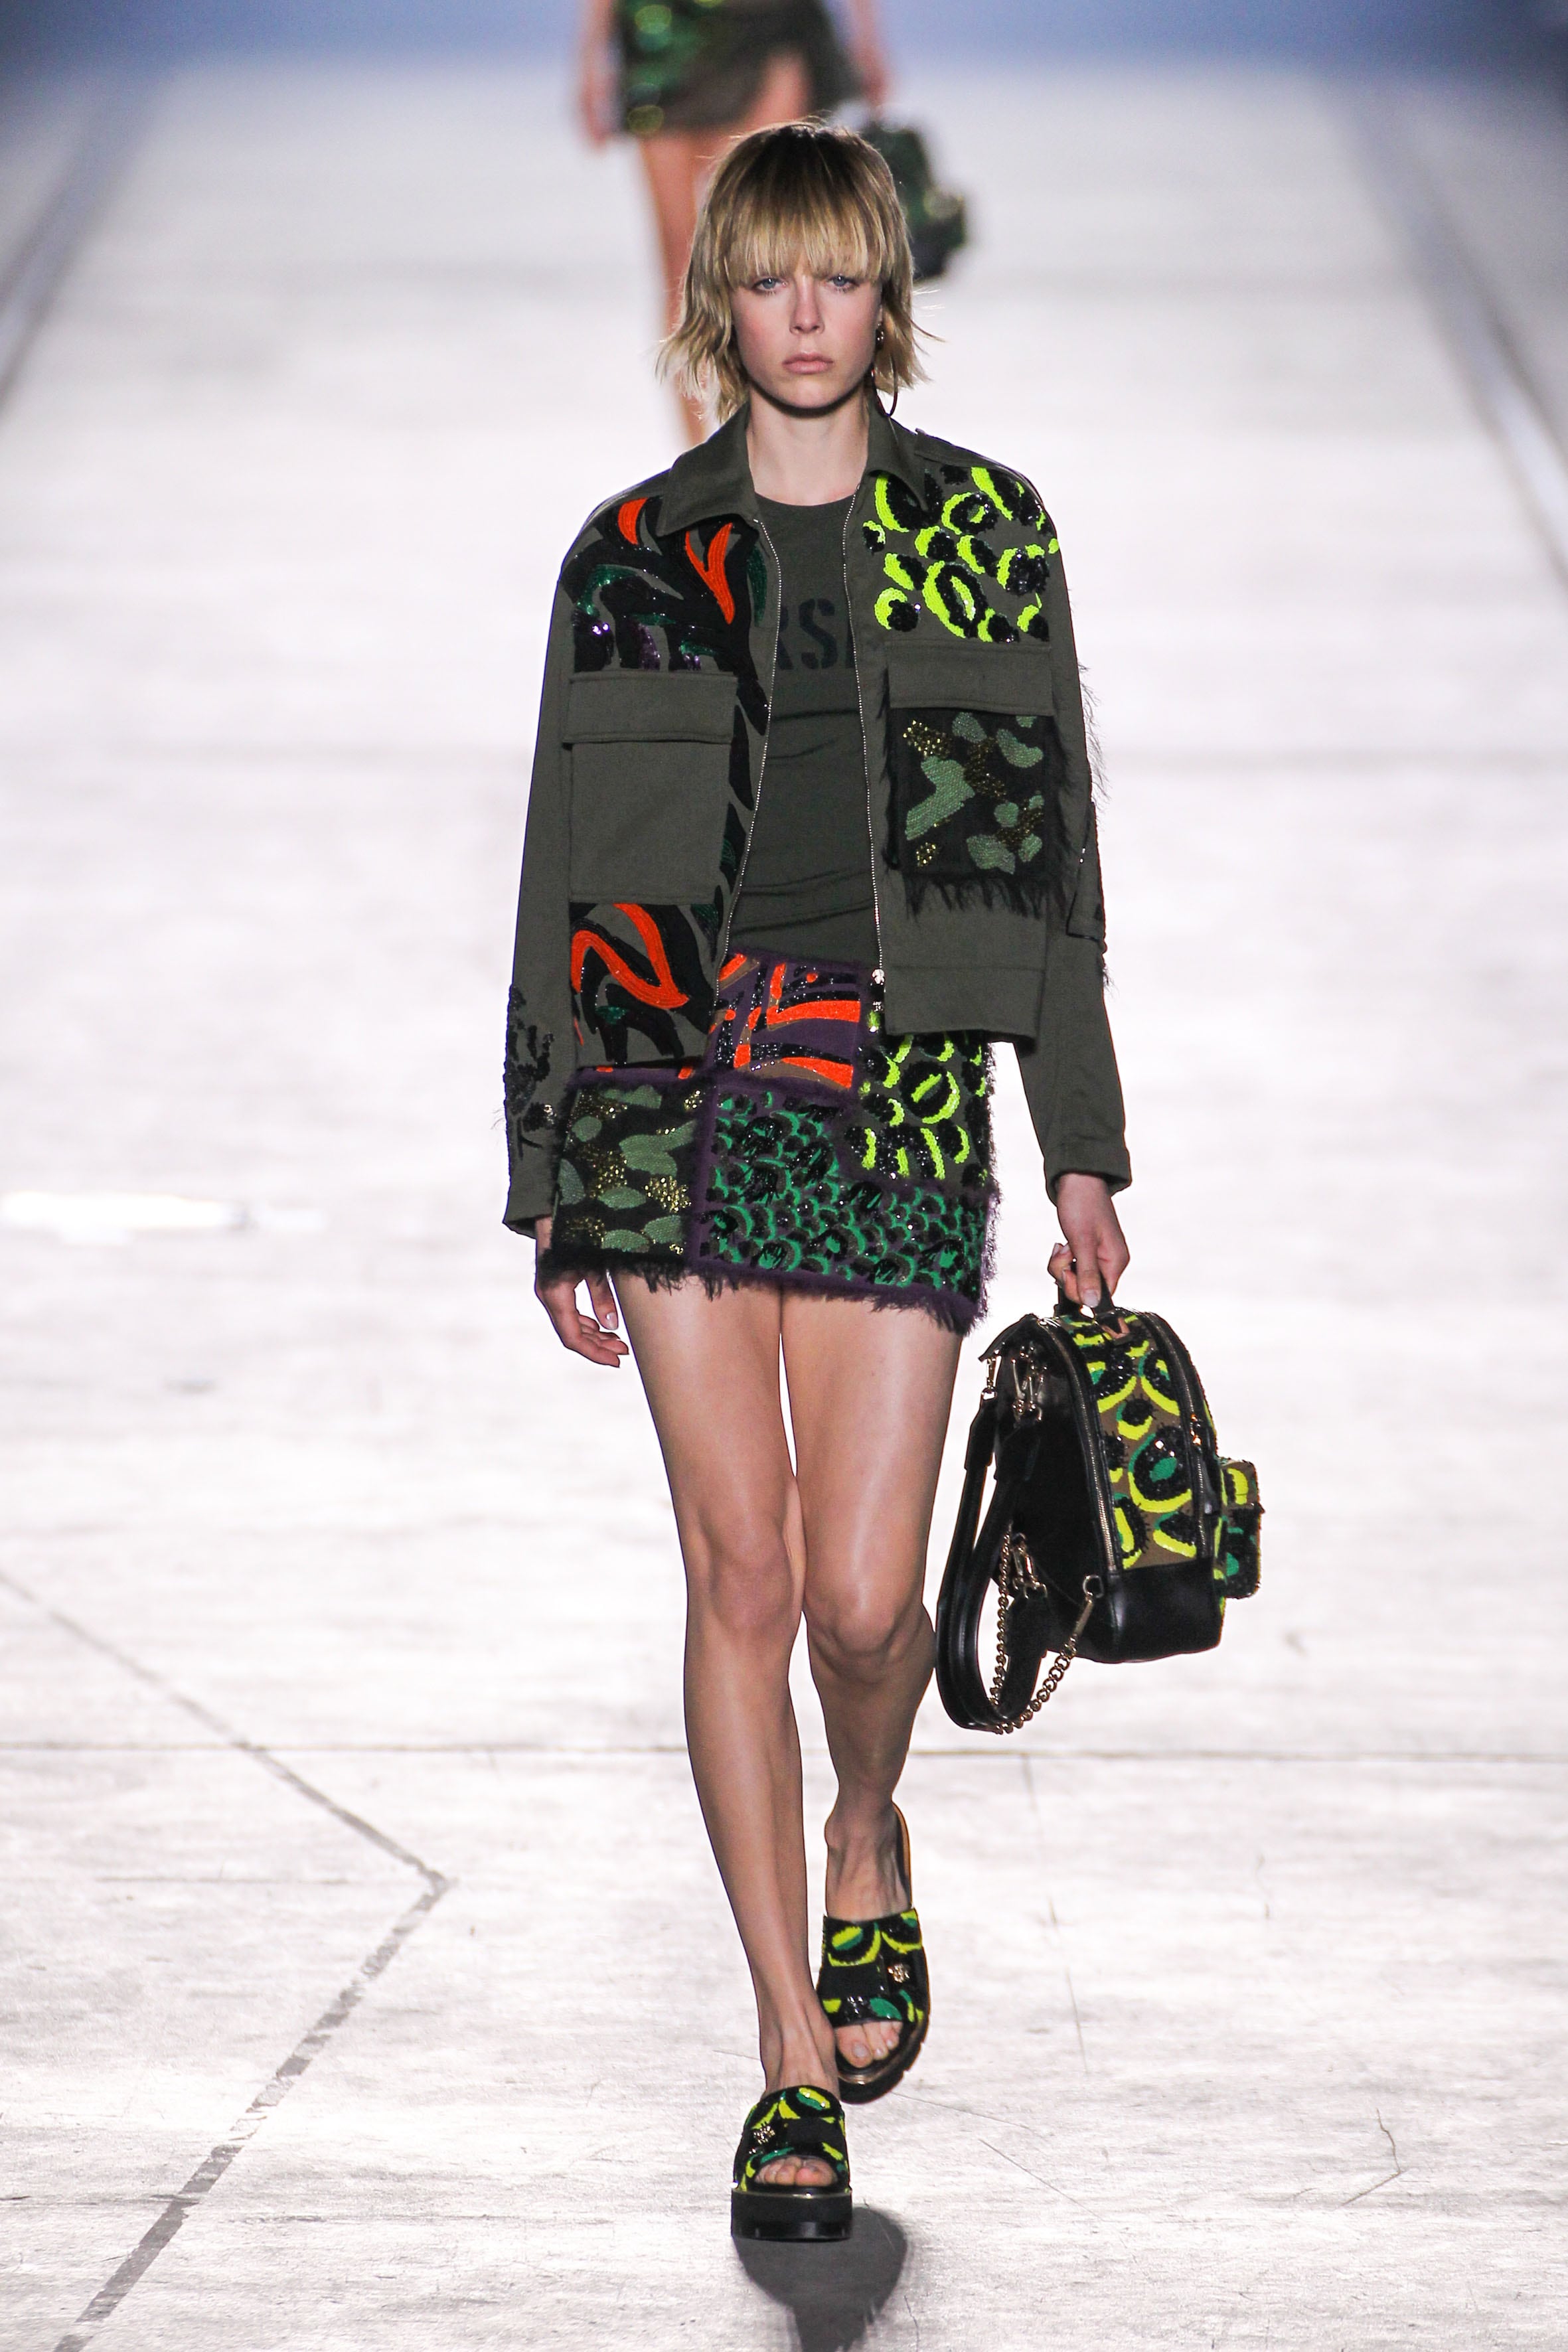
column 1205, row 1477
column 1088, row 1420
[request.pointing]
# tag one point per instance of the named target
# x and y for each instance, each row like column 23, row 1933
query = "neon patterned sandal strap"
column 796, row 2121
column 874, row 1972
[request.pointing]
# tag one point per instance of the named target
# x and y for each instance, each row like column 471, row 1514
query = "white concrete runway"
column 342, row 1612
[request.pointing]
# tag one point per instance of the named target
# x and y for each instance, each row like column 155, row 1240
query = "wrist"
column 1074, row 1179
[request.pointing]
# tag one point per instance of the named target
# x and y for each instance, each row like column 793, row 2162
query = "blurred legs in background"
column 678, row 164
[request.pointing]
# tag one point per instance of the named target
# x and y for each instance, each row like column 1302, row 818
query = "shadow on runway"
column 834, row 2294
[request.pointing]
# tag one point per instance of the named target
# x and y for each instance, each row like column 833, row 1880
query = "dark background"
column 1431, row 31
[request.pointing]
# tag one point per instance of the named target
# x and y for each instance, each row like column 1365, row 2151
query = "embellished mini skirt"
column 807, row 1149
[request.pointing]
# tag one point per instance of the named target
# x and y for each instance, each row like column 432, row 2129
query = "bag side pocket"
column 1237, row 1556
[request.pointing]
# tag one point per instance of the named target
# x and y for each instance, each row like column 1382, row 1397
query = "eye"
column 766, row 285
column 842, row 281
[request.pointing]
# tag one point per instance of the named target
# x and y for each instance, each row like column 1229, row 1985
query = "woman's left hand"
column 1093, row 1258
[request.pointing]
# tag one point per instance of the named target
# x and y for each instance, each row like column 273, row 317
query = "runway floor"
column 370, row 1986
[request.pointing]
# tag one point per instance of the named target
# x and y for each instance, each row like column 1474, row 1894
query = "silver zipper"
column 763, row 762
column 878, row 977
column 1207, row 1489
column 1088, row 1432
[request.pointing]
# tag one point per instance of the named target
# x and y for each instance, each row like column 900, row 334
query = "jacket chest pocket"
column 975, row 768
column 650, row 771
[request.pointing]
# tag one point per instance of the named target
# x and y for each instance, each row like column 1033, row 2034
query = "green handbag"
column 1116, row 1529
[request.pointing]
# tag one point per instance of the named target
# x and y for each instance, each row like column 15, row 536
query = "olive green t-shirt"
column 807, row 890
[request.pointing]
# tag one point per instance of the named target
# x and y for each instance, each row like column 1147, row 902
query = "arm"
column 539, row 1041
column 1070, row 1072
column 539, row 1058
column 865, row 48
column 596, row 70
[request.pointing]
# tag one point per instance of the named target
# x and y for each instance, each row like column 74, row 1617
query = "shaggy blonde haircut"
column 804, row 196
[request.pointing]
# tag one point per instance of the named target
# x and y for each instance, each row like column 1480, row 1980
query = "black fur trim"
column 1020, row 894
column 945, row 1308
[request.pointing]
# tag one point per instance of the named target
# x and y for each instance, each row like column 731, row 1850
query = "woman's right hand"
column 594, row 1335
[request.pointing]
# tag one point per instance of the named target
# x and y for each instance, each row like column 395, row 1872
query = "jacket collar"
column 715, row 479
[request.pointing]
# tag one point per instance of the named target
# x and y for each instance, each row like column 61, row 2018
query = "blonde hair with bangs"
column 804, row 195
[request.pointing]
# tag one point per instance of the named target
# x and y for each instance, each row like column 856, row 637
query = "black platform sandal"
column 799, row 2122
column 874, row 1972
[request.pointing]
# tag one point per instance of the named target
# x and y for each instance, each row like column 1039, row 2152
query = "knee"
column 859, row 1636
column 742, row 1585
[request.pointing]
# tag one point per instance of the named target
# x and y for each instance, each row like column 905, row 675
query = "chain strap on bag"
column 1115, row 1530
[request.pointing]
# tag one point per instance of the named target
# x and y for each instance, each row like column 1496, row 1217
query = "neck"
column 804, row 456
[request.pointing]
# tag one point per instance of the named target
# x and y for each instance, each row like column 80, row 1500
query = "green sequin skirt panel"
column 807, row 1147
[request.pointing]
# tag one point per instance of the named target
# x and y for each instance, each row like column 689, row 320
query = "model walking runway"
column 329, row 1580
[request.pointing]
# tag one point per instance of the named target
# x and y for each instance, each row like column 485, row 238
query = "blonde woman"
column 685, row 78
column 811, row 828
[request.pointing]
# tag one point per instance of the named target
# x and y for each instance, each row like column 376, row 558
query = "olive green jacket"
column 652, row 751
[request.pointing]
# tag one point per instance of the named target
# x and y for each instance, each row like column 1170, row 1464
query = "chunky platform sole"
column 792, row 2216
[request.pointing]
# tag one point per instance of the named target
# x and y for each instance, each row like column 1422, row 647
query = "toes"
column 863, row 2045
column 797, row 2172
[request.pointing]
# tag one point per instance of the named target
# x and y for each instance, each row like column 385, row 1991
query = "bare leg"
column 870, row 1392
column 869, row 1397
column 710, row 1369
column 670, row 165
column 678, row 166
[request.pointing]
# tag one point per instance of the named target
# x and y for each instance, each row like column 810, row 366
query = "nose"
column 805, row 313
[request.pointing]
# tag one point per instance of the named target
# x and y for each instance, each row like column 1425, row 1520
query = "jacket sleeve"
column 1070, row 1072
column 539, row 1033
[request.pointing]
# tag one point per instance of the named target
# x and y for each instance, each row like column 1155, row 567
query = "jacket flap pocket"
column 1011, row 678
column 635, row 706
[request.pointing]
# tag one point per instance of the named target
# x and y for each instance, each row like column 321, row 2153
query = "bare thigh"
column 870, row 1392
column 710, row 1368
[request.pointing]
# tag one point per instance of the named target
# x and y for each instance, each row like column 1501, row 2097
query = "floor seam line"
column 33, row 276
column 219, row 2157
column 223, row 1733
column 1469, row 318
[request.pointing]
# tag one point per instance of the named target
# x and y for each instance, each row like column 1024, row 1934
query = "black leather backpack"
column 1116, row 1529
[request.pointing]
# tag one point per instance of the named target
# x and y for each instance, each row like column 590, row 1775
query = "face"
column 807, row 342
